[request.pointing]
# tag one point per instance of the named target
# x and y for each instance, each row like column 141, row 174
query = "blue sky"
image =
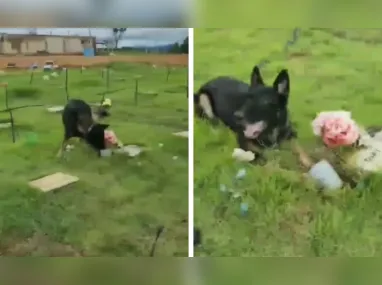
column 132, row 37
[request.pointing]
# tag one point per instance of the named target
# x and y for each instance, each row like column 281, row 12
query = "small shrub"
column 25, row 92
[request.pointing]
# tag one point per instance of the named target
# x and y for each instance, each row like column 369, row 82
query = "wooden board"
column 181, row 134
column 55, row 109
column 10, row 65
column 5, row 125
column 53, row 181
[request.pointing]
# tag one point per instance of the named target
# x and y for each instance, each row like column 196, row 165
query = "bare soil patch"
column 78, row 60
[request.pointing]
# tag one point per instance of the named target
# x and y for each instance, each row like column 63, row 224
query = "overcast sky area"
column 132, row 36
column 83, row 13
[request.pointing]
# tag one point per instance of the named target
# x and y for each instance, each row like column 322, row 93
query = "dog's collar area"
column 90, row 128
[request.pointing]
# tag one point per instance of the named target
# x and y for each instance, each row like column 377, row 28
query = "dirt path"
column 78, row 61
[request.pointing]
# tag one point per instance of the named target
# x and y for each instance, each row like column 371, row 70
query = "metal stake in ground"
column 107, row 79
column 136, row 93
column 32, row 76
column 160, row 230
column 107, row 83
column 12, row 126
column 66, row 84
column 5, row 86
column 168, row 73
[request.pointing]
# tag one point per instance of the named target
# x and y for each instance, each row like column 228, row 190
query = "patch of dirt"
column 38, row 245
column 300, row 54
column 78, row 60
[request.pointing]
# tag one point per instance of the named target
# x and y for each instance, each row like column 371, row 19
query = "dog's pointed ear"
column 104, row 126
column 256, row 78
column 281, row 83
column 282, row 86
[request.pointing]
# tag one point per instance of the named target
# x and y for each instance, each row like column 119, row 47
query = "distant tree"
column 117, row 34
column 184, row 46
column 3, row 37
column 175, row 48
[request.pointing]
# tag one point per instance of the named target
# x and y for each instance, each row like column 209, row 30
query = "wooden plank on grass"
column 181, row 134
column 53, row 181
column 55, row 109
column 5, row 125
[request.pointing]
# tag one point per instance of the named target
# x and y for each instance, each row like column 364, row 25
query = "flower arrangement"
column 336, row 129
column 352, row 150
column 111, row 139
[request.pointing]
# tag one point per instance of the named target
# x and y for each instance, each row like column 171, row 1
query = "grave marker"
column 53, row 181
column 10, row 65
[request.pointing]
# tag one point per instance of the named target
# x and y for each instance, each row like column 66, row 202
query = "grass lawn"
column 329, row 70
column 119, row 202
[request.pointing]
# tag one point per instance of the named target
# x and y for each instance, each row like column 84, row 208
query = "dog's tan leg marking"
column 205, row 104
column 274, row 135
column 62, row 147
column 64, row 144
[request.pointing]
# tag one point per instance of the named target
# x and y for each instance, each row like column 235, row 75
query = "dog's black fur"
column 78, row 122
column 239, row 105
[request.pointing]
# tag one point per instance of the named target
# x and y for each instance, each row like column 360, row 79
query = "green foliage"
column 184, row 46
column 181, row 48
column 117, row 34
column 25, row 92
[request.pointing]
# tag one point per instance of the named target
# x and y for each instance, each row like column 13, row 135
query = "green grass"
column 272, row 14
column 116, row 207
column 329, row 71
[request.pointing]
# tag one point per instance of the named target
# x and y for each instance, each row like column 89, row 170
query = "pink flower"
column 110, row 138
column 336, row 128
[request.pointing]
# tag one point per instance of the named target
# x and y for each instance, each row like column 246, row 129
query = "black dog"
column 78, row 122
column 257, row 113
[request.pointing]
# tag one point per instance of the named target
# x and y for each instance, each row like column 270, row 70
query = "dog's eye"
column 239, row 121
column 239, row 115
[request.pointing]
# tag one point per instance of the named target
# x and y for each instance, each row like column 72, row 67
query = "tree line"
column 177, row 48
column 181, row 48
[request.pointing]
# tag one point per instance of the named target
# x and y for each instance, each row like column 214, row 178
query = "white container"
column 243, row 155
column 324, row 173
column 106, row 152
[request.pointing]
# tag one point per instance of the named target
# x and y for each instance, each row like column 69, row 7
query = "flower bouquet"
column 353, row 150
column 111, row 140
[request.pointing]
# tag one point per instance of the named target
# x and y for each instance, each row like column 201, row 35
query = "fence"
column 105, row 74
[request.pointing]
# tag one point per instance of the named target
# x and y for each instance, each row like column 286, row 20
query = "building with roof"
column 33, row 44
